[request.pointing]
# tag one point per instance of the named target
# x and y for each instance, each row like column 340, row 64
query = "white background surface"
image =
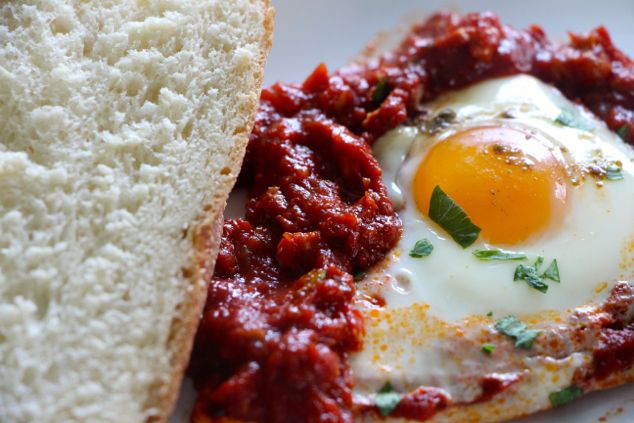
column 308, row 32
column 333, row 31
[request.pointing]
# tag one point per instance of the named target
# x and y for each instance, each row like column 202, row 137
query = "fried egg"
column 545, row 182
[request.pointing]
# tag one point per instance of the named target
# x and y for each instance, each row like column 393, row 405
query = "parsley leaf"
column 525, row 339
column 317, row 274
column 552, row 272
column 511, row 326
column 569, row 118
column 381, row 91
column 623, row 132
column 614, row 173
column 489, row 255
column 358, row 276
column 490, row 314
column 422, row 248
column 538, row 262
column 386, row 399
column 531, row 276
column 488, row 348
column 452, row 218
column 565, row 395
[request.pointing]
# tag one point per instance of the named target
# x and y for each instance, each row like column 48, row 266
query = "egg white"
column 592, row 245
column 439, row 309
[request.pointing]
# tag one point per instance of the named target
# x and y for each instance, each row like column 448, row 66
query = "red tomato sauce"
column 280, row 318
column 615, row 350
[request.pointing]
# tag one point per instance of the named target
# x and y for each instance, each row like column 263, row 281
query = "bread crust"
column 205, row 234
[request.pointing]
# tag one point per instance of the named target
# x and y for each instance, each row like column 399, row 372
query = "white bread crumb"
column 119, row 121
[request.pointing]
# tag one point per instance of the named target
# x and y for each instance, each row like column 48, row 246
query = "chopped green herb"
column 422, row 248
column 386, row 399
column 488, row 348
column 614, row 173
column 623, row 132
column 381, row 91
column 358, row 276
column 525, row 339
column 534, row 279
column 490, row 255
column 316, row 275
column 565, row 395
column 531, row 276
column 511, row 326
column 538, row 262
column 490, row 314
column 569, row 118
column 452, row 218
column 552, row 272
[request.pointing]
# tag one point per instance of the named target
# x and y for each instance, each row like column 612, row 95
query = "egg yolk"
column 508, row 182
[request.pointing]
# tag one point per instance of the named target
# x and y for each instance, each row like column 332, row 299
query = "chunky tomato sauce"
column 280, row 318
column 615, row 349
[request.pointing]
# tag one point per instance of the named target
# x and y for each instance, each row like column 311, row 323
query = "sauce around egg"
column 280, row 318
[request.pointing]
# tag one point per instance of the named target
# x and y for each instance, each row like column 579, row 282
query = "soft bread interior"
column 122, row 125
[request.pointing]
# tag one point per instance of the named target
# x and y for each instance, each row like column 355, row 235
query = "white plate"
column 333, row 31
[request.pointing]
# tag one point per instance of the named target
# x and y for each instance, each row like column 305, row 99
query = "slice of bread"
column 122, row 129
